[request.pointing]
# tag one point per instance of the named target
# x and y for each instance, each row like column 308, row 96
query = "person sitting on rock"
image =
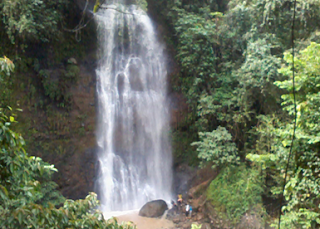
column 179, row 203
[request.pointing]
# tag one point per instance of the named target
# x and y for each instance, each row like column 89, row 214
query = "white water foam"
column 135, row 162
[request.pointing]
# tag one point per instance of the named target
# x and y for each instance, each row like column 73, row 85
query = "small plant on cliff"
column 57, row 83
column 6, row 66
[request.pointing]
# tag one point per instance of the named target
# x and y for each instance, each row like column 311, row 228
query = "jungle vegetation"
column 235, row 61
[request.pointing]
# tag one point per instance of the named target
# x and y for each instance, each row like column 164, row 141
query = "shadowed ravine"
column 134, row 151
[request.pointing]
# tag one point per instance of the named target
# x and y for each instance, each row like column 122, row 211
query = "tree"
column 303, row 188
column 31, row 19
column 302, row 191
column 216, row 147
column 229, row 60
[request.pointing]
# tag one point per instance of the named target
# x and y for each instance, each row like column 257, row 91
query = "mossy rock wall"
column 64, row 136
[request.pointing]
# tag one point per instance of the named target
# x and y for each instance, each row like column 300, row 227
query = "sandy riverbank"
column 144, row 222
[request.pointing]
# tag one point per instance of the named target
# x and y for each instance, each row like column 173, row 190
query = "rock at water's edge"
column 153, row 209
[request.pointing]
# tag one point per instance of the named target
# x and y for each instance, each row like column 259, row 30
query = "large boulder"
column 153, row 209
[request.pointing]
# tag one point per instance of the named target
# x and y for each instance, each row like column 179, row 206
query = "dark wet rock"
column 172, row 213
column 155, row 208
column 88, row 4
column 183, row 176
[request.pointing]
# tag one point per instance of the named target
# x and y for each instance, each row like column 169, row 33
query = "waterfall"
column 133, row 124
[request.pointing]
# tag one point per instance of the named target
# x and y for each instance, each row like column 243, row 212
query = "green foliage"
column 56, row 83
column 32, row 32
column 235, row 191
column 31, row 19
column 302, row 190
column 6, row 67
column 268, row 155
column 258, row 73
column 229, row 60
column 307, row 79
column 24, row 180
column 274, row 133
column 142, row 3
column 302, row 219
column 72, row 72
column 217, row 147
column 196, row 51
column 96, row 6
column 29, row 198
column 181, row 138
column 196, row 226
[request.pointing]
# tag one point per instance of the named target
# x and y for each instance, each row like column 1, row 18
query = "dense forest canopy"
column 234, row 66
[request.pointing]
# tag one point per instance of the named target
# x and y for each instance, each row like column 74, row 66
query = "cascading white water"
column 135, row 154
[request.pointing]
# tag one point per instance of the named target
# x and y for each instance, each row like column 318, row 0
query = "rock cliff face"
column 63, row 136
column 77, row 168
column 82, row 4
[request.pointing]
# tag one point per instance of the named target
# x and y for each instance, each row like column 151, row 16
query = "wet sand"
column 144, row 222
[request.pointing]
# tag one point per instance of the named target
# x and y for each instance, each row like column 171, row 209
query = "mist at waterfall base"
column 135, row 161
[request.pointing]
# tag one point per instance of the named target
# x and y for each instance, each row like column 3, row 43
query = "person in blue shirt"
column 190, row 211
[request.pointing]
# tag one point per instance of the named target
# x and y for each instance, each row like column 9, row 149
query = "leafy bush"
column 217, row 147
column 235, row 191
column 196, row 226
column 31, row 19
column 181, row 150
column 302, row 190
column 56, row 83
column 6, row 66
